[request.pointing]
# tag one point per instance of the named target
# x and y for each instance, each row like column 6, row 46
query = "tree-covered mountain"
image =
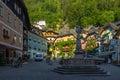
column 83, row 12
column 48, row 10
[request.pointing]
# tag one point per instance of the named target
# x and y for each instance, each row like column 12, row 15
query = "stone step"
column 84, row 73
column 64, row 72
column 78, row 67
column 80, row 70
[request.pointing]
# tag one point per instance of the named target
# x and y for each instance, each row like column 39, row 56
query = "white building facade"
column 37, row 44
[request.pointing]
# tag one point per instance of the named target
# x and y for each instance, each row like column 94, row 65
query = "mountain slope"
column 83, row 12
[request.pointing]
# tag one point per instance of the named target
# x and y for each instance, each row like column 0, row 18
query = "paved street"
column 42, row 71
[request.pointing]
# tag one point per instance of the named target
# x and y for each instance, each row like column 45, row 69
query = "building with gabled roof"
column 37, row 43
column 109, row 42
column 14, row 24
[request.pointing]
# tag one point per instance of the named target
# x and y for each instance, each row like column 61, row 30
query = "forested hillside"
column 83, row 12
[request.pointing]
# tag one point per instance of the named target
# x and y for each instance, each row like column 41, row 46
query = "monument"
column 78, row 52
column 78, row 59
column 78, row 64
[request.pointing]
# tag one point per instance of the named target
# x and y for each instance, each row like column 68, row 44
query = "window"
column 21, row 26
column 34, row 48
column 38, row 49
column 45, row 50
column 14, row 22
column 15, row 6
column 5, row 33
column 29, row 47
column 34, row 40
column 15, row 38
column 38, row 42
column 5, row 1
column 20, row 39
column 29, row 39
column 19, row 10
column 9, row 17
column 23, row 17
column 1, row 11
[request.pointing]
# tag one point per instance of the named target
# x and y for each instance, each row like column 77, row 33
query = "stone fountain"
column 78, row 64
column 78, row 59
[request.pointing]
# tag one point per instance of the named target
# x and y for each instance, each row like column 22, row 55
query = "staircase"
column 82, row 70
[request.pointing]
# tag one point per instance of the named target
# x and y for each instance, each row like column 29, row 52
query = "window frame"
column 9, row 19
column 5, row 32
column 1, row 10
column 15, row 23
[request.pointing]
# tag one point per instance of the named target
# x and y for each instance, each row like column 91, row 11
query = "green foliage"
column 91, row 46
column 69, row 43
column 83, row 12
column 47, row 10
column 91, row 12
column 106, row 16
column 117, row 14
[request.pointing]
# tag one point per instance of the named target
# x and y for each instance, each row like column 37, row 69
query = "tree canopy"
column 81, row 12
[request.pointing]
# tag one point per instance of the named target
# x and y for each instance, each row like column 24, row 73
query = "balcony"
column 6, row 36
column 65, row 49
column 106, row 43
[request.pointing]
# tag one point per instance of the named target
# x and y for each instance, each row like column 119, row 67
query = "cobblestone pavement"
column 42, row 71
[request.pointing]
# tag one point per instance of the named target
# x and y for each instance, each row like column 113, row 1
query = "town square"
column 59, row 40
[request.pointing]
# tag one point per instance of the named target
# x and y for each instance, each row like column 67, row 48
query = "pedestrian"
column 12, row 62
column 20, row 62
column 48, row 60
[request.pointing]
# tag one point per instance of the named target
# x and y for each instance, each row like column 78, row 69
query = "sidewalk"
column 8, row 67
column 5, row 68
column 113, row 70
column 42, row 71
